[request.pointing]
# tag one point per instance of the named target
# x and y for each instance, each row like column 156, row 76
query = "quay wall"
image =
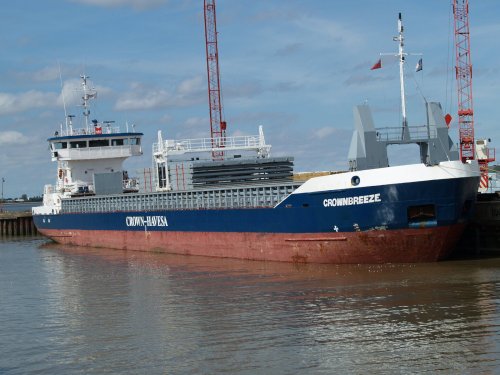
column 17, row 224
column 487, row 225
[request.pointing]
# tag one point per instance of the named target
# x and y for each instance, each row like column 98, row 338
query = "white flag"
column 419, row 66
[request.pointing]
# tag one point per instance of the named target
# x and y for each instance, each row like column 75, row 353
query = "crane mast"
column 463, row 71
column 217, row 124
column 469, row 148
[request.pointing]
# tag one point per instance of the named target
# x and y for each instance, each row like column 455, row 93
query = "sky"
column 297, row 67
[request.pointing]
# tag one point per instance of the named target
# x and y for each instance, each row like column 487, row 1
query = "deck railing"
column 416, row 133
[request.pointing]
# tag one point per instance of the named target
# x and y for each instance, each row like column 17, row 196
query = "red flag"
column 448, row 119
column 377, row 65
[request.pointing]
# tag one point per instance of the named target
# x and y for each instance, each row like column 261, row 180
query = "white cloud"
column 331, row 29
column 481, row 30
column 165, row 119
column 12, row 137
column 323, row 132
column 53, row 72
column 142, row 97
column 15, row 103
column 247, row 89
column 194, row 122
column 191, row 86
column 71, row 92
column 239, row 133
column 49, row 73
column 194, row 127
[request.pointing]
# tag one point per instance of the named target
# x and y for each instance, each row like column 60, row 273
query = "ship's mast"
column 87, row 95
column 217, row 124
column 401, row 55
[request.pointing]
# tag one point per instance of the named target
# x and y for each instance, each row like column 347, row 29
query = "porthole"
column 355, row 181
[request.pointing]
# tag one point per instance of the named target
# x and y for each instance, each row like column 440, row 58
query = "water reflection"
column 133, row 312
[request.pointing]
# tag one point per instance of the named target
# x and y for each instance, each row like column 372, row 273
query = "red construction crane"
column 217, row 124
column 463, row 70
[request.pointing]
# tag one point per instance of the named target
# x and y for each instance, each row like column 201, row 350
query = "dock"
column 487, row 223
column 17, row 224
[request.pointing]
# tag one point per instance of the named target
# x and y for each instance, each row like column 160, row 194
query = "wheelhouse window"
column 134, row 141
column 99, row 143
column 59, row 145
column 78, row 144
column 117, row 142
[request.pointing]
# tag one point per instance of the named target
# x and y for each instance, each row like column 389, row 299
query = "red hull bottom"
column 395, row 246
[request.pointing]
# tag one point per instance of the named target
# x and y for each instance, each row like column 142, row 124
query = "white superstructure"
column 84, row 155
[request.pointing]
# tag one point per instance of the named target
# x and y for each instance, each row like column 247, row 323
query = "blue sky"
column 297, row 67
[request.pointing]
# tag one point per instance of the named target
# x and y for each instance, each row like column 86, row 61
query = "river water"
column 18, row 207
column 67, row 310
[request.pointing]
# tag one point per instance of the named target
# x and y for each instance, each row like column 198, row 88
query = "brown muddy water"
column 67, row 310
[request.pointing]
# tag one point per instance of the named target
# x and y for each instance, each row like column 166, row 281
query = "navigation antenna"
column 217, row 124
column 87, row 95
column 63, row 98
column 401, row 54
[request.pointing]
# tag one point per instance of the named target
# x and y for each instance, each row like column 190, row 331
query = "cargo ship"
column 232, row 198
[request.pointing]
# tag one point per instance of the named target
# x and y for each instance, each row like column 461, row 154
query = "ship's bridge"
column 90, row 159
column 93, row 155
column 94, row 143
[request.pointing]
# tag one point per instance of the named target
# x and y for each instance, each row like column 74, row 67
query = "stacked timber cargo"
column 187, row 175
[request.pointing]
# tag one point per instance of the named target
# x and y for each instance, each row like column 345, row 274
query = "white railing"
column 395, row 134
column 208, row 144
column 91, row 130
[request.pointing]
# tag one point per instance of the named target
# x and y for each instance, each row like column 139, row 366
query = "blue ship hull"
column 299, row 213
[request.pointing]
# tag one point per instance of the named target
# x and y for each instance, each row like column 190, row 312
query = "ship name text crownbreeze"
column 349, row 201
